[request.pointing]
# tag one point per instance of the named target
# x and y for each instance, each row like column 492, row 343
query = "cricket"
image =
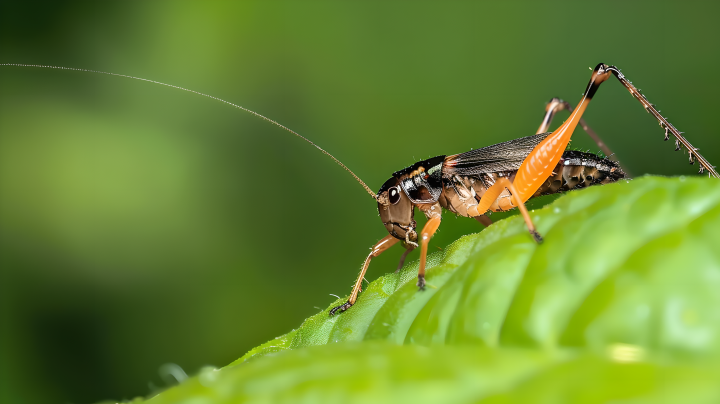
column 494, row 178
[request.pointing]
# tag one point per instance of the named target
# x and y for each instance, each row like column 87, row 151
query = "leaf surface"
column 621, row 301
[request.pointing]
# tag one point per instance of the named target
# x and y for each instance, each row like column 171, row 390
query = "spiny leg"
column 539, row 164
column 556, row 105
column 680, row 141
column 541, row 161
column 376, row 250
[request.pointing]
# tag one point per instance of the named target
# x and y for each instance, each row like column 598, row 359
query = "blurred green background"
column 141, row 225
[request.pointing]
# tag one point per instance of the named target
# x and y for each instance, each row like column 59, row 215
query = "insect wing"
column 506, row 156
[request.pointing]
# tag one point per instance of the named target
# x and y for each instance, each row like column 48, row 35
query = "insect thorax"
column 422, row 182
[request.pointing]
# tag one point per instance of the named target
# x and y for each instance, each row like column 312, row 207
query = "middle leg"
column 492, row 194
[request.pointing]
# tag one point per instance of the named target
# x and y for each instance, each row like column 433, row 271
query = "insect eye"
column 394, row 195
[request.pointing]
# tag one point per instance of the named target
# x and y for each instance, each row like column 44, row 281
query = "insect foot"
column 340, row 308
column 536, row 236
column 421, row 282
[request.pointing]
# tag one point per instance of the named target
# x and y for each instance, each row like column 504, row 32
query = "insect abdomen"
column 579, row 170
column 575, row 170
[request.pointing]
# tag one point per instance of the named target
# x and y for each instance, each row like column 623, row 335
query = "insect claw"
column 677, row 144
column 702, row 170
column 421, row 282
column 692, row 158
column 340, row 308
column 536, row 236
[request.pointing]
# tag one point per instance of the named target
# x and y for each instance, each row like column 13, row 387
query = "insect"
column 499, row 178
column 494, row 178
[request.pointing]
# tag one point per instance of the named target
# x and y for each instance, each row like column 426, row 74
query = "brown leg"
column 484, row 220
column 601, row 71
column 402, row 260
column 680, row 141
column 377, row 249
column 427, row 232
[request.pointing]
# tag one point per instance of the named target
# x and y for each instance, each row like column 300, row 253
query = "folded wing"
column 506, row 156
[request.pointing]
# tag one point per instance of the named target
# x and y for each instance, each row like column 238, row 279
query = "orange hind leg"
column 541, row 161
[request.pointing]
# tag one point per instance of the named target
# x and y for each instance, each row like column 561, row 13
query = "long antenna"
column 369, row 191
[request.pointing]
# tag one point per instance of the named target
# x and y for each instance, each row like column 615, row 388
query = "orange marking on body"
column 539, row 164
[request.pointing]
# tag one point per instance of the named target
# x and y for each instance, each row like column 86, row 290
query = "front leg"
column 433, row 214
column 376, row 250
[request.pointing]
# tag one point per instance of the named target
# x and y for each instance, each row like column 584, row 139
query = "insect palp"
column 409, row 236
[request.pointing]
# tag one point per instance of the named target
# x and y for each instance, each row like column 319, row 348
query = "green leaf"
column 621, row 301
column 380, row 372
